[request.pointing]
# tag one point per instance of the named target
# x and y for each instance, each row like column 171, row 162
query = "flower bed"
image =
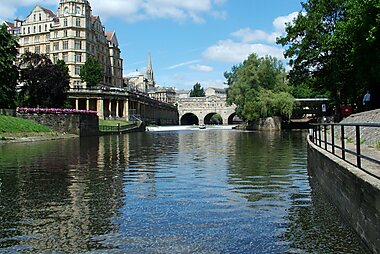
column 54, row 111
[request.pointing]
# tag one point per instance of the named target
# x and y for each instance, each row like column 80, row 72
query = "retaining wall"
column 354, row 193
column 79, row 124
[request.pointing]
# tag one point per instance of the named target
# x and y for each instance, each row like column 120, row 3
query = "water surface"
column 198, row 191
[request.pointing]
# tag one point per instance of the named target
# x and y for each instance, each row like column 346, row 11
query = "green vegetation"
column 8, row 71
column 197, row 91
column 45, row 83
column 258, row 88
column 12, row 125
column 333, row 47
column 113, row 122
column 91, row 72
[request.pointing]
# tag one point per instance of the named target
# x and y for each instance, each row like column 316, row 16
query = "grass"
column 113, row 122
column 378, row 145
column 18, row 126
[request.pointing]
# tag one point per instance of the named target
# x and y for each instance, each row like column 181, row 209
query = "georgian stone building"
column 72, row 34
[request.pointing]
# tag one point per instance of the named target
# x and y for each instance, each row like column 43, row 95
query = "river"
column 177, row 191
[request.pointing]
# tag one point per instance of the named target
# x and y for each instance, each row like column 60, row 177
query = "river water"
column 184, row 191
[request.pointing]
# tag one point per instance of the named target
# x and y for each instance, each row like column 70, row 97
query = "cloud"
column 182, row 64
column 133, row 10
column 136, row 10
column 247, row 41
column 202, row 68
column 236, row 52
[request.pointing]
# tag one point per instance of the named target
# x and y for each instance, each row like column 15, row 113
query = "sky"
column 190, row 41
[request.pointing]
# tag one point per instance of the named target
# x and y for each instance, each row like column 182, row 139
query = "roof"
column 50, row 12
column 109, row 35
column 10, row 24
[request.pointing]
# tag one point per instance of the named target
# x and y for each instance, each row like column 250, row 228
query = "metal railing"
column 118, row 128
column 338, row 146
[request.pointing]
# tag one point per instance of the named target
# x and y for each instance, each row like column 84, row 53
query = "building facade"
column 72, row 35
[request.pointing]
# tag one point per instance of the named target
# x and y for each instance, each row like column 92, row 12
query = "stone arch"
column 207, row 118
column 189, row 119
column 234, row 119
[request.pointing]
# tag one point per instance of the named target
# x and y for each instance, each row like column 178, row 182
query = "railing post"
column 332, row 140
column 319, row 136
column 325, row 136
column 358, row 152
column 342, row 139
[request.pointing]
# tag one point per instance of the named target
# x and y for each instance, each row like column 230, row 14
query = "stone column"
column 76, row 103
column 87, row 104
column 126, row 110
column 117, row 109
column 110, row 108
column 99, row 108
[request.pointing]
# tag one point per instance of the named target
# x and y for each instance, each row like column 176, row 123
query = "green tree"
column 197, row 91
column 333, row 47
column 44, row 84
column 258, row 88
column 8, row 70
column 216, row 119
column 91, row 72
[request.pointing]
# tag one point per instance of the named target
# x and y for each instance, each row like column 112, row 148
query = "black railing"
column 333, row 138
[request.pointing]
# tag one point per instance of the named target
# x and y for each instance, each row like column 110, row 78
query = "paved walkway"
column 365, row 150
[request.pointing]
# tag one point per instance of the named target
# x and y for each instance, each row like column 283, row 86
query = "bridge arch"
column 234, row 119
column 208, row 118
column 189, row 119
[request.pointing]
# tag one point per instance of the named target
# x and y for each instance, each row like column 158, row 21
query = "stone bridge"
column 199, row 110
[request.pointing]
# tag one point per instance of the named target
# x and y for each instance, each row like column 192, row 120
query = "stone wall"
column 355, row 193
column 266, row 124
column 8, row 112
column 79, row 124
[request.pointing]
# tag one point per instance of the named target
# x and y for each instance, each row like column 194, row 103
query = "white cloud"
column 248, row 41
column 132, row 10
column 182, row 64
column 236, row 52
column 202, row 68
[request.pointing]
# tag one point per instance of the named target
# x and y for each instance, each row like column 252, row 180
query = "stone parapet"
column 355, row 193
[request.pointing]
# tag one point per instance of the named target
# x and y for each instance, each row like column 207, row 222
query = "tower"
column 149, row 73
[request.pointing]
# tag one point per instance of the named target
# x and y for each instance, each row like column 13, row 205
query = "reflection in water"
column 212, row 191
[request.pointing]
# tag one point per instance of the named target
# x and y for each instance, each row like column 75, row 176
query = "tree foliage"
column 44, row 84
column 334, row 47
column 258, row 88
column 8, row 70
column 197, row 91
column 91, row 72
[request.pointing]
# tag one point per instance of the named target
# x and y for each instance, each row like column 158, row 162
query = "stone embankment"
column 369, row 136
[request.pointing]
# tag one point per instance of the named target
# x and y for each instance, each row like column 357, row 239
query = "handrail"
column 318, row 135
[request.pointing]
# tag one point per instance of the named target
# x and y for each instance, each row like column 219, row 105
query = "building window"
column 23, row 30
column 39, row 29
column 37, row 38
column 34, row 17
column 47, row 49
column 34, row 29
column 37, row 49
column 78, row 57
column 65, row 57
column 48, row 37
column 55, row 35
column 65, row 22
column 78, row 10
column 45, row 27
column 65, row 45
column 65, row 33
column 28, row 30
column 55, row 58
column 77, row 70
column 39, row 17
column 56, row 46
column 77, row 23
column 66, row 11
column 26, row 40
column 77, row 33
column 78, row 45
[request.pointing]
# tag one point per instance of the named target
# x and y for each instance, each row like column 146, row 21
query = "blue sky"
column 190, row 40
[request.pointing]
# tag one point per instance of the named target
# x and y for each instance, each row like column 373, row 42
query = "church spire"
column 149, row 70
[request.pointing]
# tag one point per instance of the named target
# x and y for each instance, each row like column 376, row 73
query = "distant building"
column 72, row 35
column 164, row 94
column 219, row 92
column 182, row 93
